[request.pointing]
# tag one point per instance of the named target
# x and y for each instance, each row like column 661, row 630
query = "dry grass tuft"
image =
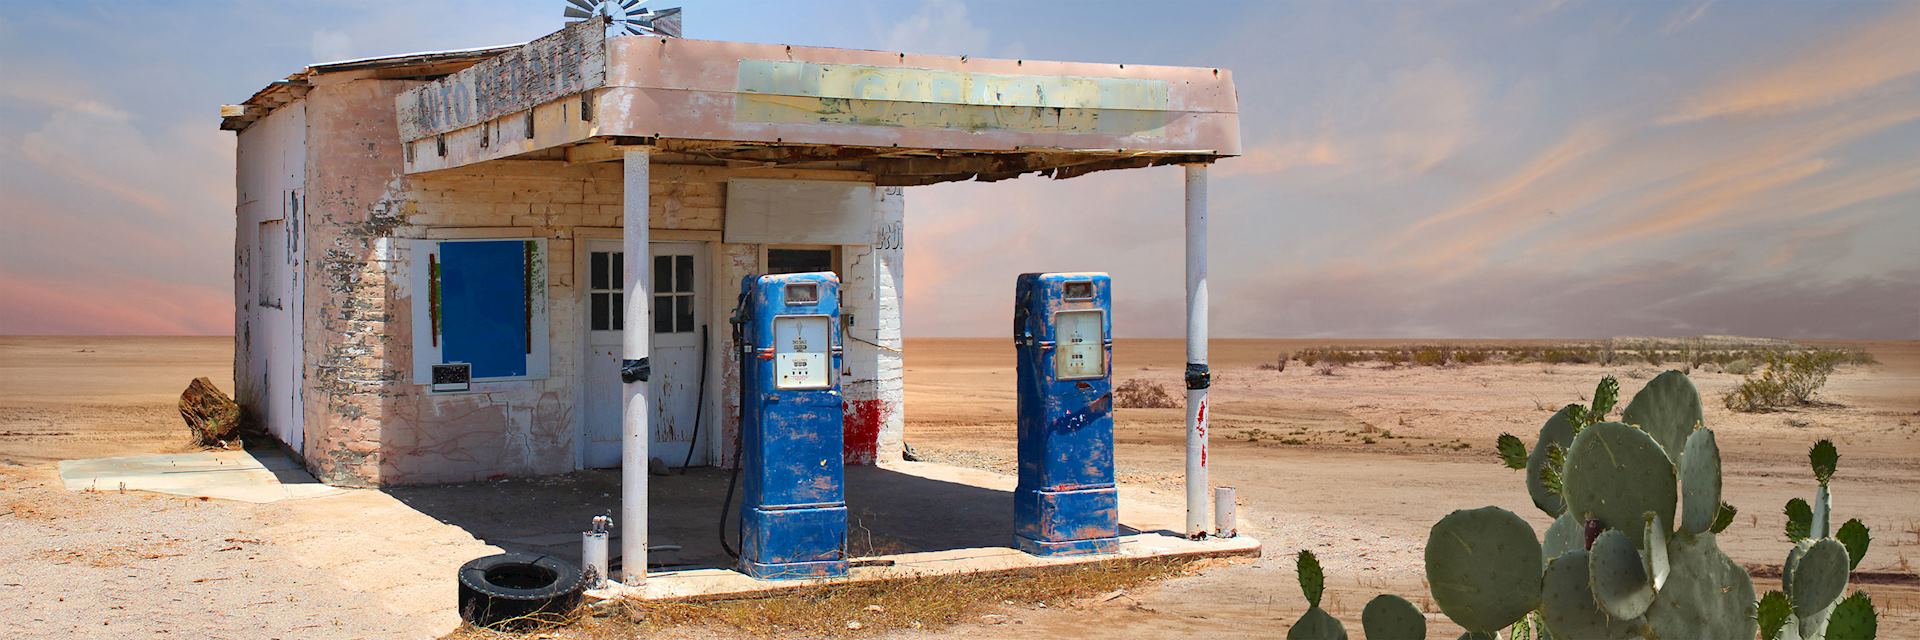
column 1137, row 393
column 864, row 609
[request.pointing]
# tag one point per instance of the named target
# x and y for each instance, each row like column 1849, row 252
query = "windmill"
column 627, row 17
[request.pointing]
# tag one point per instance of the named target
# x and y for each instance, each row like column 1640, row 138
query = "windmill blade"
column 666, row 22
column 578, row 14
column 629, row 5
column 584, row 5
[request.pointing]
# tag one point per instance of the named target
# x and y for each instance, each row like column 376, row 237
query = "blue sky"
column 1444, row 169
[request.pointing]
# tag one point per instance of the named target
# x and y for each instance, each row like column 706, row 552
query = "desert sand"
column 1355, row 466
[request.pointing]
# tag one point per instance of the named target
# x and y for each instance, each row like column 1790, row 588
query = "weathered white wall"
column 873, row 383
column 270, row 180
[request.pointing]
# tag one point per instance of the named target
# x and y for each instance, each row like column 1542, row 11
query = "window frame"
column 426, row 340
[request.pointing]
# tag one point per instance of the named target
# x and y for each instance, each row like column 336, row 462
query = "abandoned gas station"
column 522, row 261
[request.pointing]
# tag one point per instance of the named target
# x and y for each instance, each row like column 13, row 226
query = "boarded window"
column 483, row 307
column 270, row 264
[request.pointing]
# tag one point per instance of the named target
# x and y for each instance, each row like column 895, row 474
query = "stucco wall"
column 271, row 159
column 368, row 423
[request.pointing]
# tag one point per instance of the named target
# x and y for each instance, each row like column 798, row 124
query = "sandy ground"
column 1355, row 466
column 1385, row 453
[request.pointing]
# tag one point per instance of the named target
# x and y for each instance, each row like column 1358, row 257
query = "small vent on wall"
column 453, row 376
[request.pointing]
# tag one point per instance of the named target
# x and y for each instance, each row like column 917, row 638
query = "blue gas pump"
column 1065, row 502
column 793, row 510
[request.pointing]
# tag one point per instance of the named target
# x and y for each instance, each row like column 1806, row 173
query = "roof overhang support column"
column 1198, row 377
column 635, row 345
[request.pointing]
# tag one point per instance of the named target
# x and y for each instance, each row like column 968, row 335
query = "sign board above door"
column 563, row 63
column 800, row 212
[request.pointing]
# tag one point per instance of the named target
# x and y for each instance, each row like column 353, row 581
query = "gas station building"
column 434, row 254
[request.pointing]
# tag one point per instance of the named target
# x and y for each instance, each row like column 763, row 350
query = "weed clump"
column 1137, row 393
column 1789, row 379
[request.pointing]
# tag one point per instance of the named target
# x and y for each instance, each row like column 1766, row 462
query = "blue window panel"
column 483, row 306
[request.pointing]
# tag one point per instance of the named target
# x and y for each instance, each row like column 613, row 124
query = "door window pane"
column 683, row 274
column 617, row 273
column 598, row 270
column 663, row 314
column 601, row 313
column 662, row 274
column 619, row 311
column 683, row 314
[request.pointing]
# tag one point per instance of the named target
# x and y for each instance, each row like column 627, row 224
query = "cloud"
column 941, row 26
column 1876, row 54
column 1687, row 16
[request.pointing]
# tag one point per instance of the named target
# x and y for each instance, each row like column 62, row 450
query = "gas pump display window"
column 1079, row 345
column 801, row 346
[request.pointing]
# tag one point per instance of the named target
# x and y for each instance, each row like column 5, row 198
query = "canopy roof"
column 578, row 95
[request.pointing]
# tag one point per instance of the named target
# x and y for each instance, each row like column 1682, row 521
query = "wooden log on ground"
column 210, row 414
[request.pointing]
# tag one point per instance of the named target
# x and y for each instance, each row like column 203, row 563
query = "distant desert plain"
column 1353, row 462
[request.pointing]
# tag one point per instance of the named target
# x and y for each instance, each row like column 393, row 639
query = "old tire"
column 518, row 590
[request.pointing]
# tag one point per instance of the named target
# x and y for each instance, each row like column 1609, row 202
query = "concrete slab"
column 939, row 519
column 720, row 584
column 257, row 476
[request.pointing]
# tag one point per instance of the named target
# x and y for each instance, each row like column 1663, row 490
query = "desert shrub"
column 1739, row 367
column 1789, row 378
column 1343, row 357
column 1137, row 393
column 1470, row 356
column 1652, row 356
column 1394, row 357
column 1323, row 369
column 1430, row 357
column 1565, row 356
column 1309, row 357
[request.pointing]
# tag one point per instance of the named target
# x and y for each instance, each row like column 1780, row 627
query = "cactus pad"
column 1391, row 616
column 1854, row 535
column 1707, row 594
column 1818, row 578
column 1557, row 431
column 1565, row 534
column 1616, row 474
column 1700, row 482
column 1566, row 603
column 1853, row 619
column 1655, row 552
column 1618, row 576
column 1669, row 408
column 1484, row 567
column 1317, row 624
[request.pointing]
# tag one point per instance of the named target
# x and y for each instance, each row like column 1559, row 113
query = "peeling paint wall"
column 271, row 159
column 875, row 374
column 367, row 421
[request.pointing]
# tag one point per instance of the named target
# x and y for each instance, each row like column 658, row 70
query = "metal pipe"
column 1223, row 516
column 635, row 344
column 1198, row 377
column 593, row 552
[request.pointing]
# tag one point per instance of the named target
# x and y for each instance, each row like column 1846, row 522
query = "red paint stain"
column 862, row 429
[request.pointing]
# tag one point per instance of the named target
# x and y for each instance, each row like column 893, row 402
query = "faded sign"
column 563, row 63
column 809, row 92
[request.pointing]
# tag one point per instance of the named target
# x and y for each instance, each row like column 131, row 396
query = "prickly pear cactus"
column 1616, row 474
column 1483, row 566
column 1391, row 616
column 1668, row 408
column 1814, row 576
column 1316, row 623
column 1613, row 564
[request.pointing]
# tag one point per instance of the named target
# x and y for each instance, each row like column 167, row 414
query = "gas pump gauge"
column 1079, row 345
column 800, row 351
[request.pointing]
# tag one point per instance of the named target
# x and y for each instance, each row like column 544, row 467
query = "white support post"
column 1198, row 378
column 635, row 344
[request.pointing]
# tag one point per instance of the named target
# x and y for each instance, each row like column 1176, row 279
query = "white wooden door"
column 679, row 289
